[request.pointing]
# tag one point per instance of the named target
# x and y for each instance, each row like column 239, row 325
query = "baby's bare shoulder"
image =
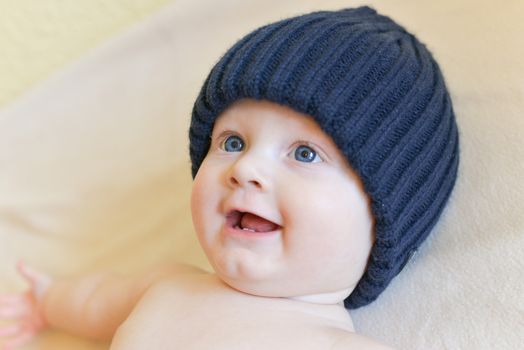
column 179, row 310
column 351, row 341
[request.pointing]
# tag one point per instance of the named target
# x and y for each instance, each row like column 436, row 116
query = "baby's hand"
column 24, row 310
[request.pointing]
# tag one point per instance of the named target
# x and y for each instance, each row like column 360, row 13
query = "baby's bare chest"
column 203, row 316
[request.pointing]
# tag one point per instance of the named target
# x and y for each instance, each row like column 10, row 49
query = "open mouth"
column 250, row 222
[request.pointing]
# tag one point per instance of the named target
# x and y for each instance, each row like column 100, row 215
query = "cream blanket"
column 94, row 167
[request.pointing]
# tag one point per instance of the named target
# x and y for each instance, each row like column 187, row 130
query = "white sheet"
column 94, row 171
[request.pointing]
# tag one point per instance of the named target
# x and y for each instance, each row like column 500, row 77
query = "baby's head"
column 334, row 131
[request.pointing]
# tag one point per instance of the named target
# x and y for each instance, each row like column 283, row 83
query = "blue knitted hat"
column 377, row 91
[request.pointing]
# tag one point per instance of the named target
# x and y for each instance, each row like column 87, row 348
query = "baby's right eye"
column 233, row 143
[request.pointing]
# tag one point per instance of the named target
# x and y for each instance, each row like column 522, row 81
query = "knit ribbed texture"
column 378, row 92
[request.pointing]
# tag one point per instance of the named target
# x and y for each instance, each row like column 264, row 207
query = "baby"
column 324, row 148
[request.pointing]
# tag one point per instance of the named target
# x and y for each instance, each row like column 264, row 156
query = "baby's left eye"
column 306, row 154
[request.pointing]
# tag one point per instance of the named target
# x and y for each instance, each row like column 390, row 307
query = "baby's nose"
column 247, row 172
column 250, row 183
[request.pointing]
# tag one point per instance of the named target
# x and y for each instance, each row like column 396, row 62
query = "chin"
column 244, row 267
column 258, row 281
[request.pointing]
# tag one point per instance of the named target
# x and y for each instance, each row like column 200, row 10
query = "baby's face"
column 308, row 228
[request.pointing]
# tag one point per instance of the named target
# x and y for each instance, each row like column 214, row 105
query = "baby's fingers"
column 10, row 330
column 14, row 311
column 14, row 306
column 11, row 298
column 18, row 340
column 8, row 300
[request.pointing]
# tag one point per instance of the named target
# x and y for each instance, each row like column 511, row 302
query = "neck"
column 335, row 301
column 325, row 298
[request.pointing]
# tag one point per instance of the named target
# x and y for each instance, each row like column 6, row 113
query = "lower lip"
column 238, row 232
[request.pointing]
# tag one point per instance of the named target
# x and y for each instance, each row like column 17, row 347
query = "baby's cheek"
column 332, row 217
column 202, row 202
column 196, row 200
column 313, row 216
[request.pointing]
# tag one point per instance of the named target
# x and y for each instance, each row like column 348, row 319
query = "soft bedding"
column 94, row 167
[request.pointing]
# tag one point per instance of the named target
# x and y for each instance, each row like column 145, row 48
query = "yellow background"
column 37, row 37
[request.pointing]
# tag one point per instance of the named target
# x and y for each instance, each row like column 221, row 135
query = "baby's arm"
column 92, row 306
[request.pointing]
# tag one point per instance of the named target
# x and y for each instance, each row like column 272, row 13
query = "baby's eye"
column 233, row 143
column 306, row 154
